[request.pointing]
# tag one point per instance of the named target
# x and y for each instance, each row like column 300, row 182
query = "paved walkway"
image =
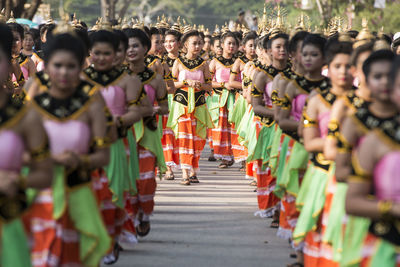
column 208, row 224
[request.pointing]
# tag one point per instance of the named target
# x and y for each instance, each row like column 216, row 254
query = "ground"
column 208, row 224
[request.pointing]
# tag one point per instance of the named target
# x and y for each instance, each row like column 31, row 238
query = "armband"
column 333, row 128
column 285, row 102
column 41, row 152
column 308, row 122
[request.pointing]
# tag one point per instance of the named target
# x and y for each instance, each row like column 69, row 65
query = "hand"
column 156, row 110
column 9, row 183
column 396, row 210
column 68, row 159
column 228, row 86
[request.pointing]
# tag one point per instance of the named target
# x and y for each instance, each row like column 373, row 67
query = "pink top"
column 196, row 75
column 297, row 106
column 115, row 99
column 268, row 94
column 222, row 74
column 25, row 73
column 323, row 121
column 151, row 93
column 387, row 177
column 71, row 135
column 11, row 148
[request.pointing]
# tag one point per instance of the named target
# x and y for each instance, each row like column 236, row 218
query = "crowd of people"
column 90, row 116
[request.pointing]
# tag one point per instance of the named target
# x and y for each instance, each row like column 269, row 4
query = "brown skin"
column 238, row 66
column 17, row 48
column 156, row 49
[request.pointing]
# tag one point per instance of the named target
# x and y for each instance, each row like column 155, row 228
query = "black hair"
column 353, row 33
column 154, row 31
column 250, row 36
column 261, row 41
column 65, row 42
column 377, row 56
column 201, row 34
column 6, row 40
column 239, row 36
column 177, row 34
column 140, row 35
column 146, row 30
column 333, row 47
column 269, row 42
column 294, row 41
column 15, row 27
column 315, row 40
column 394, row 71
column 229, row 34
column 46, row 29
column 369, row 46
column 186, row 36
column 104, row 36
column 122, row 39
column 84, row 36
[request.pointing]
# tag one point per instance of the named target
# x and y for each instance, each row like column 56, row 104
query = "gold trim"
column 15, row 119
column 195, row 68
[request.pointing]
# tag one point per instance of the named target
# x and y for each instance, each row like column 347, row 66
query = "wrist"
column 185, row 82
column 84, row 162
column 386, row 208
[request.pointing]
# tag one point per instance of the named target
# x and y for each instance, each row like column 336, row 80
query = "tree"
column 19, row 9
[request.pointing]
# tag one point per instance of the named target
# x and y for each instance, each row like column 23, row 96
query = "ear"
column 353, row 71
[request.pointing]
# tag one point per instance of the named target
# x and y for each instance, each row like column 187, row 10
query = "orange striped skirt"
column 239, row 151
column 221, row 136
column 169, row 144
column 266, row 198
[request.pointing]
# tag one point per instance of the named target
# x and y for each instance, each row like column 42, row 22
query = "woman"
column 21, row 130
column 172, row 45
column 74, row 120
column 123, row 96
column 311, row 197
column 147, row 135
column 189, row 117
column 376, row 165
column 152, row 60
column 223, row 101
column 27, row 48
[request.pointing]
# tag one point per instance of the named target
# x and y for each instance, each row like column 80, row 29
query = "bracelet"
column 84, row 162
column 384, row 208
column 223, row 85
column 185, row 82
column 120, row 121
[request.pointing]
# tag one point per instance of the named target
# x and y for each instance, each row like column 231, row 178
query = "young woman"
column 27, row 49
column 172, row 45
column 152, row 60
column 311, row 197
column 21, row 131
column 222, row 105
column 189, row 117
column 120, row 54
column 376, row 170
column 27, row 65
column 147, row 135
column 123, row 96
column 74, row 120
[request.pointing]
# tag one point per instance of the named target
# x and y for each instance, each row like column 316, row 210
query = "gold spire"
column 63, row 26
column 162, row 23
column 3, row 18
column 11, row 19
column 364, row 36
column 279, row 25
column 125, row 24
column 186, row 29
column 225, row 29
column 136, row 24
column 381, row 43
column 217, row 31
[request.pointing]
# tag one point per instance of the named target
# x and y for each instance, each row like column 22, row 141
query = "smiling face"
column 136, row 51
column 193, row 45
column 249, row 48
column 156, row 44
column 339, row 71
column 63, row 69
column 17, row 45
column 312, row 58
column 279, row 49
column 28, row 42
column 102, row 56
column 230, row 45
column 171, row 44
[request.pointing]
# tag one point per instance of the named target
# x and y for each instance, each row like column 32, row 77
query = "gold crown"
column 264, row 24
column 217, row 31
column 75, row 22
column 3, row 18
column 303, row 23
column 176, row 27
column 162, row 23
column 344, row 37
column 105, row 25
column 64, row 27
column 186, row 29
column 381, row 43
column 364, row 36
column 125, row 24
column 136, row 24
column 207, row 32
column 278, row 25
column 225, row 29
column 245, row 31
column 12, row 19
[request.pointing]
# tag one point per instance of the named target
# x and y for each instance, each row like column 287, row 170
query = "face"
column 312, row 58
column 193, row 45
column 17, row 45
column 229, row 45
column 102, row 56
column 278, row 49
column 4, row 66
column 171, row 44
column 249, row 47
column 339, row 71
column 396, row 91
column 297, row 55
column 357, row 70
column 259, row 52
column 63, row 69
column 217, row 48
column 378, row 80
column 136, row 51
column 120, row 55
column 397, row 50
column 207, row 44
column 28, row 42
column 156, row 44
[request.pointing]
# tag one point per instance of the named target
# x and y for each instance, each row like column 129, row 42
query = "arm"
column 40, row 164
column 312, row 138
column 256, row 96
column 206, row 86
column 31, row 68
column 235, row 72
column 168, row 79
column 135, row 112
column 285, row 122
column 161, row 95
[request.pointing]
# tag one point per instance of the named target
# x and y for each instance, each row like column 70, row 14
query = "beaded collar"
column 191, row 64
column 150, row 59
column 368, row 121
column 11, row 112
column 103, row 78
column 307, row 86
column 227, row 62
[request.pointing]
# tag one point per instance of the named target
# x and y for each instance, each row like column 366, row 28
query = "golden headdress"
column 263, row 25
column 125, row 24
column 279, row 24
column 364, row 36
column 217, row 31
column 206, row 32
column 136, row 24
column 381, row 43
column 303, row 23
column 245, row 31
column 64, row 26
column 105, row 25
column 12, row 19
column 162, row 23
column 3, row 18
column 225, row 29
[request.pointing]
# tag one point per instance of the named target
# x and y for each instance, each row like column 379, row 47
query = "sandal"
column 193, row 179
column 295, row 264
column 253, row 183
column 212, row 158
column 275, row 224
column 143, row 228
column 223, row 165
column 169, row 176
column 185, row 181
column 230, row 163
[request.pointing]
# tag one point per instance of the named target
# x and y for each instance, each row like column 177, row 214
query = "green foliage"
column 85, row 10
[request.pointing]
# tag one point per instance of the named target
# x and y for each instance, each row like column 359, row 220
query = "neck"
column 298, row 69
column 383, row 109
column 227, row 55
column 137, row 66
column 190, row 55
column 250, row 57
column 338, row 90
column 279, row 64
column 363, row 92
column 314, row 75
column 173, row 54
column 62, row 93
